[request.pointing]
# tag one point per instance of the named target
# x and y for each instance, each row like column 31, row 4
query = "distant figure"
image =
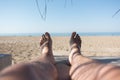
column 45, row 68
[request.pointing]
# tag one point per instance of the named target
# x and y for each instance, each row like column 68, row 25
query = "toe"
column 72, row 40
column 73, row 35
column 43, row 36
column 42, row 39
column 47, row 35
column 77, row 37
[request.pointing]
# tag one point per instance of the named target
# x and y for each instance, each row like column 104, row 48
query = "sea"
column 64, row 34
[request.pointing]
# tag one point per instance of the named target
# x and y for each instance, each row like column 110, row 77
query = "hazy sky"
column 22, row 16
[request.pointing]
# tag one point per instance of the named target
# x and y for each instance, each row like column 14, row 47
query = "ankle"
column 75, row 49
column 75, row 46
column 46, row 50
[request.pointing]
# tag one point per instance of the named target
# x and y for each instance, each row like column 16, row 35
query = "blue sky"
column 22, row 16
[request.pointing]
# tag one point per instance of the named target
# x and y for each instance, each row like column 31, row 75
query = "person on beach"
column 45, row 68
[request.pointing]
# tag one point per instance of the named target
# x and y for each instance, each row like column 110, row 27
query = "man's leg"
column 41, row 69
column 83, row 68
column 80, row 65
column 75, row 53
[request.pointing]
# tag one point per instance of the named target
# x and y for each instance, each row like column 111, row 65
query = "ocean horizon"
column 64, row 34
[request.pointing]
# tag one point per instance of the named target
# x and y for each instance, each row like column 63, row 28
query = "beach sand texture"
column 25, row 49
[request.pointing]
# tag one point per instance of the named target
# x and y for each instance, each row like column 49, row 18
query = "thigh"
column 30, row 71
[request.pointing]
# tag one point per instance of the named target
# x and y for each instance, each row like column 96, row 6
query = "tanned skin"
column 83, row 68
column 43, row 68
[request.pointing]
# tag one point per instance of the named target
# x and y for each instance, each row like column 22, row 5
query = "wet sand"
column 25, row 49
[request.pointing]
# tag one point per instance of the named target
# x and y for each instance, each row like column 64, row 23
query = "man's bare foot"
column 46, row 47
column 40, row 69
column 75, row 44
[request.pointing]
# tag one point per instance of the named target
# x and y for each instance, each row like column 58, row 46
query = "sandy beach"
column 27, row 48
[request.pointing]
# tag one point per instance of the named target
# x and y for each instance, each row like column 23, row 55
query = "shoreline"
column 65, row 34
